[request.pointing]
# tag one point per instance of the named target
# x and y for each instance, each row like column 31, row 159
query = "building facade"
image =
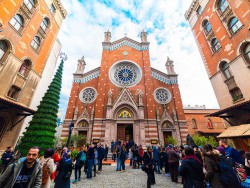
column 198, row 123
column 28, row 31
column 125, row 98
column 222, row 31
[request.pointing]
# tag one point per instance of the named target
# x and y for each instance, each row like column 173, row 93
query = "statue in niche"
column 110, row 96
column 140, row 96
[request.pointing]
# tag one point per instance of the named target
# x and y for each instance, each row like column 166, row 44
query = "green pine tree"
column 41, row 129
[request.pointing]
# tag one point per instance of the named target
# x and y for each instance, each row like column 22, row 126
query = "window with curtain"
column 3, row 49
column 36, row 43
column 222, row 5
column 207, row 26
column 215, row 45
column 234, row 25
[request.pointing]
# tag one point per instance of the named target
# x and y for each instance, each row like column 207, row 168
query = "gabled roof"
column 125, row 41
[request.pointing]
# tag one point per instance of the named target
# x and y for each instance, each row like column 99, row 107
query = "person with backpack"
column 27, row 172
column 211, row 162
column 80, row 162
column 228, row 176
column 64, row 171
column 191, row 170
column 48, row 167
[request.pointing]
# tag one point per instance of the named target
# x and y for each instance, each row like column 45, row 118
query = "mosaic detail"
column 87, row 78
column 164, row 79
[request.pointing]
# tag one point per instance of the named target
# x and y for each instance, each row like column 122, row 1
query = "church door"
column 129, row 132
column 121, row 132
column 165, row 135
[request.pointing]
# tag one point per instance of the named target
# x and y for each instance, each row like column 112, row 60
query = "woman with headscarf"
column 191, row 170
column 64, row 171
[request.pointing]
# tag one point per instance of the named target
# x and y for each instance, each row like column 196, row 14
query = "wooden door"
column 121, row 132
column 165, row 135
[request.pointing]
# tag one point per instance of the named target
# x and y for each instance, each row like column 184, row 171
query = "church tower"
column 125, row 98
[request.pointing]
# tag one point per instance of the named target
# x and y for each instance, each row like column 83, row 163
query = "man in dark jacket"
column 26, row 173
column 90, row 160
column 6, row 158
column 100, row 156
column 191, row 170
column 173, row 160
column 156, row 154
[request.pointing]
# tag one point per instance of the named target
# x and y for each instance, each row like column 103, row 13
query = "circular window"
column 125, row 74
column 88, row 95
column 162, row 95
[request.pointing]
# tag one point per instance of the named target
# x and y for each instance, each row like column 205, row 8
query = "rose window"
column 125, row 74
column 162, row 96
column 88, row 95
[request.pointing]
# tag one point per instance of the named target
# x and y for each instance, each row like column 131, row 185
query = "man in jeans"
column 26, row 173
column 173, row 160
column 100, row 156
column 90, row 160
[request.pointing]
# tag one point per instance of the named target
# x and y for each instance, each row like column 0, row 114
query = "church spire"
column 107, row 36
column 144, row 36
column 80, row 66
column 170, row 66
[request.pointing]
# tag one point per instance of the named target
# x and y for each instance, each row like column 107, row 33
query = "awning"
column 7, row 104
column 236, row 131
column 244, row 106
column 215, row 131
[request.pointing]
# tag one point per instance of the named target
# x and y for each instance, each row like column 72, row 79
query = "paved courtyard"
column 134, row 178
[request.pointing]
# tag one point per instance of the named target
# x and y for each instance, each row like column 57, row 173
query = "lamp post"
column 71, row 125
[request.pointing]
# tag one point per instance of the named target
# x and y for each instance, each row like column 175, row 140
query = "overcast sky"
column 169, row 34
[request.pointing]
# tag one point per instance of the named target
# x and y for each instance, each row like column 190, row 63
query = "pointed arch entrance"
column 125, row 123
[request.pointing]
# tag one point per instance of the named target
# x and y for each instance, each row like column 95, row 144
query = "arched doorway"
column 124, row 127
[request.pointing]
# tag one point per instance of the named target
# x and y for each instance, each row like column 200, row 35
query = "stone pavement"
column 132, row 178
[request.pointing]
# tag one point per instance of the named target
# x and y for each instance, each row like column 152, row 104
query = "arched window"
column 45, row 24
column 215, row 45
column 83, row 124
column 3, row 49
column 124, row 114
column 17, row 22
column 167, row 124
column 234, row 25
column 222, row 5
column 207, row 26
column 246, row 52
column 210, row 124
column 194, row 124
column 36, row 43
column 25, row 68
column 30, row 4
column 224, row 67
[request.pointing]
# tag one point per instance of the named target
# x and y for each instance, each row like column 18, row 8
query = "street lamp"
column 71, row 125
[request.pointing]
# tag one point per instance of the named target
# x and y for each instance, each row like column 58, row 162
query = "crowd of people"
column 193, row 166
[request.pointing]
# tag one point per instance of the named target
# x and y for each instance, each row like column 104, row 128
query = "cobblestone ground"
column 134, row 178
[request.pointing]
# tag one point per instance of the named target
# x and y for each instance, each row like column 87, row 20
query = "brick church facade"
column 125, row 98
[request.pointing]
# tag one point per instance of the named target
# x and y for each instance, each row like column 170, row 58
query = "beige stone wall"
column 241, row 75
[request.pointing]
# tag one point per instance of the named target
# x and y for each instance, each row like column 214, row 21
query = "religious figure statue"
column 110, row 97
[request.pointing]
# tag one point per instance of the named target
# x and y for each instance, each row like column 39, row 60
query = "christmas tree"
column 41, row 129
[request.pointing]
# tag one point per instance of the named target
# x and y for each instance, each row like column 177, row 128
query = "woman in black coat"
column 191, row 170
column 149, row 167
column 64, row 169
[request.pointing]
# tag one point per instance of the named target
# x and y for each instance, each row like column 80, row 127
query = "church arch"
column 127, row 108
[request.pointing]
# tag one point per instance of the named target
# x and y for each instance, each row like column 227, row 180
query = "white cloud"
column 82, row 33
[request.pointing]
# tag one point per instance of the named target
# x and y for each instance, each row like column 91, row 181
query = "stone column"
column 142, row 133
column 136, row 133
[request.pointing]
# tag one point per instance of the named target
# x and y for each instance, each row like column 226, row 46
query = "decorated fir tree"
column 41, row 129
